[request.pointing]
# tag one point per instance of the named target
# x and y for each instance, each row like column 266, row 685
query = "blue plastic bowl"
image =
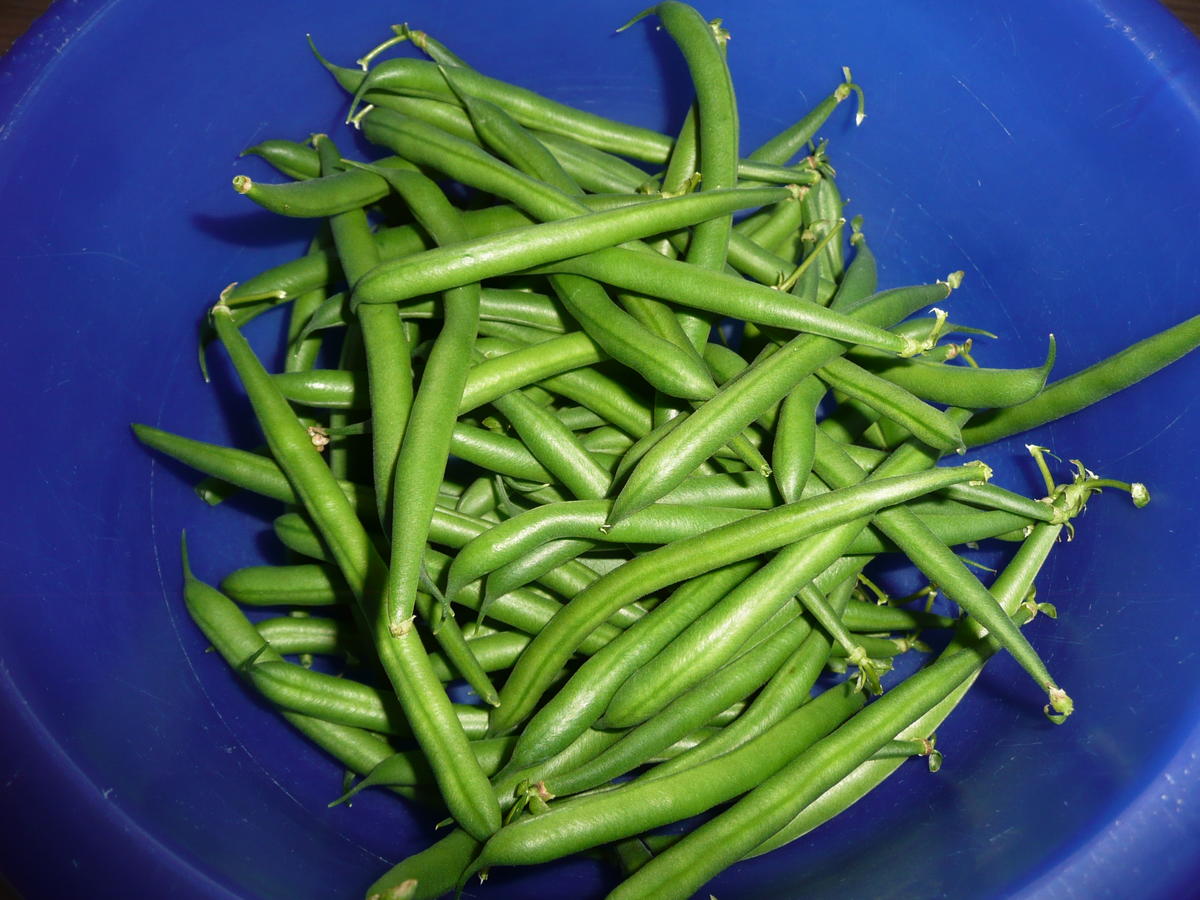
column 1048, row 149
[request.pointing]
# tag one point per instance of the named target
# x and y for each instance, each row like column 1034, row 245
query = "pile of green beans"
column 609, row 445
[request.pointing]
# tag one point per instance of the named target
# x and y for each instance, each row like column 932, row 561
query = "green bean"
column 1010, row 588
column 455, row 647
column 1099, row 380
column 435, row 870
column 740, row 401
column 685, row 866
column 972, row 388
column 496, row 453
column 716, row 133
column 302, row 348
column 741, row 490
column 510, row 365
column 579, row 418
column 554, row 446
column 343, row 701
column 795, row 438
column 453, row 530
column 690, row 709
column 871, row 618
column 606, row 396
column 667, row 367
column 315, row 635
column 717, row 635
column 526, row 610
column 534, row 245
column 420, row 79
column 534, row 564
column 606, row 439
column 292, row 159
column 791, row 141
column 498, row 131
column 513, row 538
column 860, row 278
column 577, row 824
column 408, row 769
column 341, row 390
column 594, row 170
column 237, row 641
column 787, row 689
column 479, row 499
column 927, row 423
column 724, row 294
column 389, row 365
column 429, row 45
column 990, row 496
column 823, row 216
column 946, row 570
column 324, row 388
column 318, row 197
column 297, row 585
column 784, row 219
column 421, row 461
column 494, row 652
column 692, row 556
column 467, row 162
column 907, row 749
column 298, row 276
column 740, row 677
column 425, row 704
column 247, row 470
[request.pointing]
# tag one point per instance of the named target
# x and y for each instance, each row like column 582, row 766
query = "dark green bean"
column 247, row 470
column 389, row 364
column 691, row 709
column 435, row 870
column 787, row 689
column 318, row 197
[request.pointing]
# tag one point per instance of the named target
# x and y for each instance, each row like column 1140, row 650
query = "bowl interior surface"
column 1048, row 150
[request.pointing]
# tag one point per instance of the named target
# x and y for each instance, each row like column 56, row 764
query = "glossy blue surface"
column 1049, row 149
